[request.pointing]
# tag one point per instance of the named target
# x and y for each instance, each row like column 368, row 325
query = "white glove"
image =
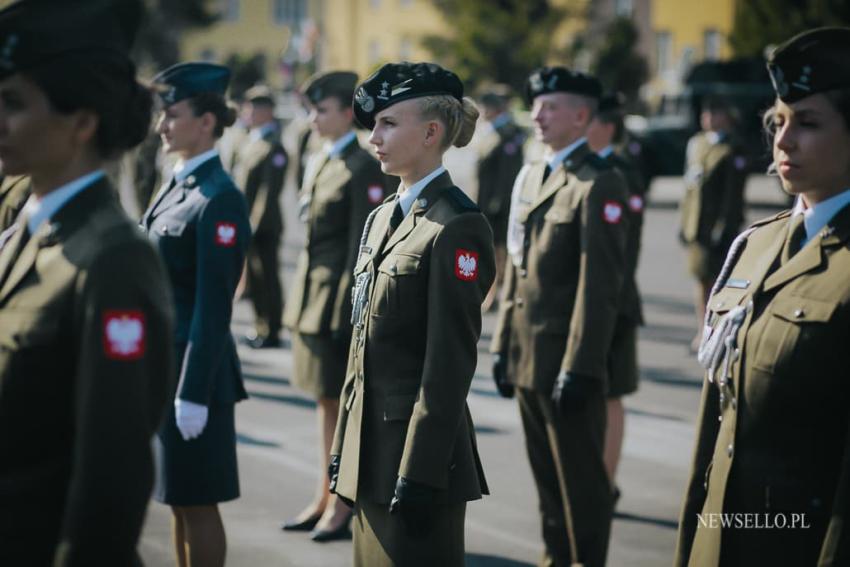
column 191, row 418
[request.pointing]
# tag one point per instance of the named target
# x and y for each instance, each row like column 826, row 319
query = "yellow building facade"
column 687, row 32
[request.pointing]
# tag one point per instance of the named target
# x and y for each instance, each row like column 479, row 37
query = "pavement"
column 277, row 430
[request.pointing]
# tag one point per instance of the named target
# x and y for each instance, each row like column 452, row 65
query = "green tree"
column 616, row 63
column 495, row 40
column 760, row 23
column 157, row 43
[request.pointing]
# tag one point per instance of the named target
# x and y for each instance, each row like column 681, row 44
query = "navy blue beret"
column 186, row 80
column 811, row 62
column 395, row 82
column 547, row 80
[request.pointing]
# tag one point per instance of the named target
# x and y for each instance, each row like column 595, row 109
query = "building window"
column 405, row 49
column 374, row 51
column 624, row 8
column 290, row 11
column 711, row 45
column 229, row 10
column 663, row 51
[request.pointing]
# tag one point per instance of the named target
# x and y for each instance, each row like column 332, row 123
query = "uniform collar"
column 406, row 198
column 43, row 209
column 334, row 149
column 558, row 158
column 261, row 132
column 818, row 216
column 715, row 137
column 500, row 120
column 184, row 169
column 606, row 151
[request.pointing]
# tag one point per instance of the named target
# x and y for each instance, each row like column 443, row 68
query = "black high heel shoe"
column 342, row 532
column 303, row 526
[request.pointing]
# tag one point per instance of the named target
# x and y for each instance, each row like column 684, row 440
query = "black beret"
column 495, row 95
column 611, row 102
column 811, row 62
column 37, row 32
column 260, row 94
column 331, row 83
column 186, row 80
column 561, row 80
column 395, row 82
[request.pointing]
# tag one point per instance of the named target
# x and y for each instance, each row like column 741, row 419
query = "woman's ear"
column 433, row 131
column 86, row 123
column 208, row 122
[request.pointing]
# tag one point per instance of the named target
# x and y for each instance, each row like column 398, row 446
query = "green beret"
column 811, row 62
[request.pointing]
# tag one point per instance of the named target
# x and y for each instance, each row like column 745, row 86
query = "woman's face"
column 34, row 138
column 330, row 118
column 811, row 148
column 182, row 132
column 403, row 141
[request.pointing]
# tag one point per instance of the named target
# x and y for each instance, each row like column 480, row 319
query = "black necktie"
column 546, row 171
column 796, row 234
column 395, row 220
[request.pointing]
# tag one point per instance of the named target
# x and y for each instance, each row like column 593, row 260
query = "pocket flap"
column 401, row 264
column 803, row 309
column 399, row 407
column 171, row 227
column 726, row 299
column 559, row 215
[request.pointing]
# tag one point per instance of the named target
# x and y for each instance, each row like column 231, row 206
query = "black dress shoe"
column 264, row 342
column 322, row 536
column 303, row 526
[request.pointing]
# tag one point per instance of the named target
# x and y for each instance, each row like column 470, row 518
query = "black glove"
column 416, row 503
column 500, row 376
column 572, row 391
column 333, row 477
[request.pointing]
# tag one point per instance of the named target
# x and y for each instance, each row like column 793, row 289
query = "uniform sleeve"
column 222, row 237
column 731, row 215
column 604, row 226
column 125, row 371
column 272, row 173
column 707, row 428
column 461, row 271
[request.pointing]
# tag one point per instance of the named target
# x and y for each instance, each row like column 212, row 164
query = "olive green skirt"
column 319, row 362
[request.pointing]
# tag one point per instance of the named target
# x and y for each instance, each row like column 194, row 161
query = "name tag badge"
column 737, row 283
column 366, row 250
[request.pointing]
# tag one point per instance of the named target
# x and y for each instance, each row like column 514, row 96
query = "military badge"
column 225, row 234
column 366, row 102
column 636, row 203
column 123, row 334
column 466, row 265
column 375, row 193
column 612, row 213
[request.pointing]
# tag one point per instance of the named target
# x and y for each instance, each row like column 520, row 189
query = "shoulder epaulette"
column 778, row 216
column 460, row 199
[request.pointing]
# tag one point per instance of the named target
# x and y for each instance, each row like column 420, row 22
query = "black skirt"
column 202, row 471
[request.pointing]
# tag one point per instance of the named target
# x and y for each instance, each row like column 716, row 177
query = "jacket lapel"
column 559, row 177
column 426, row 198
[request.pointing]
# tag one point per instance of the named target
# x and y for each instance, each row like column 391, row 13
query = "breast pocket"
column 796, row 326
column 397, row 284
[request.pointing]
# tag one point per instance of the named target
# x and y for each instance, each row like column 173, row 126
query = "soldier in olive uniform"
column 259, row 168
column 773, row 446
column 404, row 449
column 342, row 186
column 712, row 208
column 559, row 309
column 604, row 136
column 199, row 223
column 14, row 192
column 86, row 356
column 500, row 157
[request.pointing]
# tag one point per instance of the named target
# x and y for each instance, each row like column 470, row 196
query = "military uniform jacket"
column 562, row 297
column 712, row 209
column 259, row 170
column 500, row 159
column 777, row 440
column 14, row 192
column 200, row 227
column 414, row 350
column 336, row 199
column 86, row 365
column 630, row 302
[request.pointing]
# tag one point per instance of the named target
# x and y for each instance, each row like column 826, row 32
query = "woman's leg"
column 336, row 512
column 206, row 544
column 178, row 533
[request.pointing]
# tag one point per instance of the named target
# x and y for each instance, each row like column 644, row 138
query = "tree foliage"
column 616, row 63
column 157, row 43
column 760, row 23
column 495, row 40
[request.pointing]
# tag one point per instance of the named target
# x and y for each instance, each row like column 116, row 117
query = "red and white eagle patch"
column 466, row 265
column 375, row 194
column 124, row 334
column 636, row 203
column 613, row 212
column 225, row 234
